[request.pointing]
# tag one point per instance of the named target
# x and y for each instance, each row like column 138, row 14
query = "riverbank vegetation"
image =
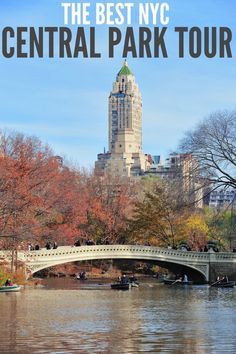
column 5, row 273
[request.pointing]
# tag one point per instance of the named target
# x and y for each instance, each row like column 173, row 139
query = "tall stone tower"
column 124, row 156
column 125, row 114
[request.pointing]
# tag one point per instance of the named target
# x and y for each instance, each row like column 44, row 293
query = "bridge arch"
column 192, row 263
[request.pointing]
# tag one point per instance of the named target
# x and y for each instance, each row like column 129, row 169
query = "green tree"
column 221, row 226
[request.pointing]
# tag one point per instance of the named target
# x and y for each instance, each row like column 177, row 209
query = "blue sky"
column 65, row 101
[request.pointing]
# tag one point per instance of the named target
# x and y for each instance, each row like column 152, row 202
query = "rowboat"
column 9, row 288
column 228, row 284
column 121, row 286
column 177, row 282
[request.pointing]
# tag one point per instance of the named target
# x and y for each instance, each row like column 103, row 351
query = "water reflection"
column 74, row 317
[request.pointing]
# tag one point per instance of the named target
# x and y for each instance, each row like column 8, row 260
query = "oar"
column 176, row 281
column 215, row 282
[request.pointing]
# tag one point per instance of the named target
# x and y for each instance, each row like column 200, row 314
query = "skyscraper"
column 125, row 113
column 124, row 156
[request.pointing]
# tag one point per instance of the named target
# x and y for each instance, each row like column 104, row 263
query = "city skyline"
column 64, row 102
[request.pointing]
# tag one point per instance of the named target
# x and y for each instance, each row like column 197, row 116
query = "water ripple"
column 67, row 317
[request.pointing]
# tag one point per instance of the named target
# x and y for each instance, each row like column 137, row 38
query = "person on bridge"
column 89, row 242
column 48, row 245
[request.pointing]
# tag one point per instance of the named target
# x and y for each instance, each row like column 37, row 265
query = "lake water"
column 67, row 316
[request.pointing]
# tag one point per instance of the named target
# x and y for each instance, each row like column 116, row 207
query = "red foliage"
column 41, row 200
column 109, row 201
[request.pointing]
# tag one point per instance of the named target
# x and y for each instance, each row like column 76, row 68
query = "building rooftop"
column 125, row 70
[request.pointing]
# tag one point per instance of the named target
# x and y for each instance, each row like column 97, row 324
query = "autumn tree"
column 109, row 206
column 40, row 198
column 22, row 162
column 44, row 200
column 195, row 230
column 156, row 218
column 64, row 207
column 212, row 143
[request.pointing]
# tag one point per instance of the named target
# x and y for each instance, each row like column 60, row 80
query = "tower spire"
column 125, row 70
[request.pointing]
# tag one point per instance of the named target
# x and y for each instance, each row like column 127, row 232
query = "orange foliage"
column 42, row 200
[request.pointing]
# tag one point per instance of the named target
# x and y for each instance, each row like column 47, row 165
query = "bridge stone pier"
column 199, row 266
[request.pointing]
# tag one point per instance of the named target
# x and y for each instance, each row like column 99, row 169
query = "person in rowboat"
column 8, row 282
column 124, row 279
column 224, row 279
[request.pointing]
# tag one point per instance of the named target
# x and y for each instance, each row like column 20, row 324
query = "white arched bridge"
column 200, row 265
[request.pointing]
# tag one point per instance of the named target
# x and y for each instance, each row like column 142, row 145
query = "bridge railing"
column 71, row 251
column 142, row 250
